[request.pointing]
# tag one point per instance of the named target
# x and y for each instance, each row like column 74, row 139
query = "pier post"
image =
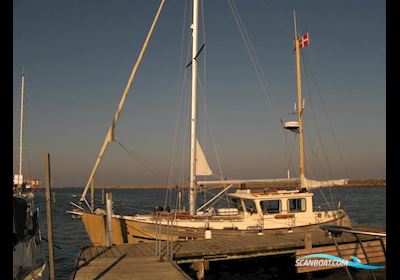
column 199, row 268
column 109, row 219
column 308, row 240
column 179, row 198
column 102, row 196
column 48, row 215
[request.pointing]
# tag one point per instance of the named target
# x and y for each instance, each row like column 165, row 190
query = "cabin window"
column 297, row 205
column 271, row 206
column 236, row 203
column 250, row 206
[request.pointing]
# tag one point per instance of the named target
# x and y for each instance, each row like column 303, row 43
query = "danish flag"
column 304, row 41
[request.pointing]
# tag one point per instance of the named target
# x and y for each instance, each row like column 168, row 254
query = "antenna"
column 294, row 19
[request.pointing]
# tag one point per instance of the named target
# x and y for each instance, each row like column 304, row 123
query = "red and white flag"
column 304, row 41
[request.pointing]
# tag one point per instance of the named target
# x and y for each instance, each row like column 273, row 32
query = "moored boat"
column 253, row 211
column 29, row 260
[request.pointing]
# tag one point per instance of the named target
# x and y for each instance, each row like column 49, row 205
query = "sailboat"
column 29, row 261
column 255, row 211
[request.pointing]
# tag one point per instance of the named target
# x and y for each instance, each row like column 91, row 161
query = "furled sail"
column 202, row 167
column 311, row 184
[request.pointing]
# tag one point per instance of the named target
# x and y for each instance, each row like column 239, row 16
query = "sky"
column 77, row 57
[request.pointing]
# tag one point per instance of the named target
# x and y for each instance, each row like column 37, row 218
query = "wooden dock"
column 125, row 262
column 140, row 259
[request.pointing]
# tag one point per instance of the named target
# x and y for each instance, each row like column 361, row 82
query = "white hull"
column 29, row 262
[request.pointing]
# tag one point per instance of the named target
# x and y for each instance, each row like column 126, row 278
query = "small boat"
column 254, row 212
column 29, row 261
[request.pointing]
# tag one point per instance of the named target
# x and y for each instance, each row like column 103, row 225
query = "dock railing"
column 336, row 231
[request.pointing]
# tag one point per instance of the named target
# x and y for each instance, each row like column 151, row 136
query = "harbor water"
column 364, row 205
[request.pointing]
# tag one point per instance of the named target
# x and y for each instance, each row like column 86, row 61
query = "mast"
column 299, row 103
column 21, row 126
column 192, row 193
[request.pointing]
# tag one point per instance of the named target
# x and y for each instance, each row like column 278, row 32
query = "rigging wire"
column 181, row 85
column 28, row 127
column 140, row 160
column 253, row 56
column 256, row 65
column 208, row 123
column 185, row 146
column 17, row 101
column 179, row 112
column 329, row 174
column 327, row 116
column 328, row 167
column 278, row 20
column 203, row 82
column 290, row 163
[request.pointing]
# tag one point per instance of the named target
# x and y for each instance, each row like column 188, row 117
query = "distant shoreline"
column 351, row 183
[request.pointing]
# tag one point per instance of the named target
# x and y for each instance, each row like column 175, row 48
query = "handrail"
column 341, row 229
column 168, row 233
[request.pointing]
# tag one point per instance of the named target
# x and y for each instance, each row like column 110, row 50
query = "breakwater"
column 350, row 183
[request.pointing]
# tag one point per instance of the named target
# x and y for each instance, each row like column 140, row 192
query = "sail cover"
column 312, row 184
column 202, row 167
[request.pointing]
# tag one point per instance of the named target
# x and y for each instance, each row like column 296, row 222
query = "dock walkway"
column 126, row 261
column 122, row 261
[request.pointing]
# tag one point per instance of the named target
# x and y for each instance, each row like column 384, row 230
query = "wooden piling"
column 109, row 218
column 54, row 197
column 102, row 196
column 179, row 198
column 199, row 267
column 308, row 240
column 48, row 214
